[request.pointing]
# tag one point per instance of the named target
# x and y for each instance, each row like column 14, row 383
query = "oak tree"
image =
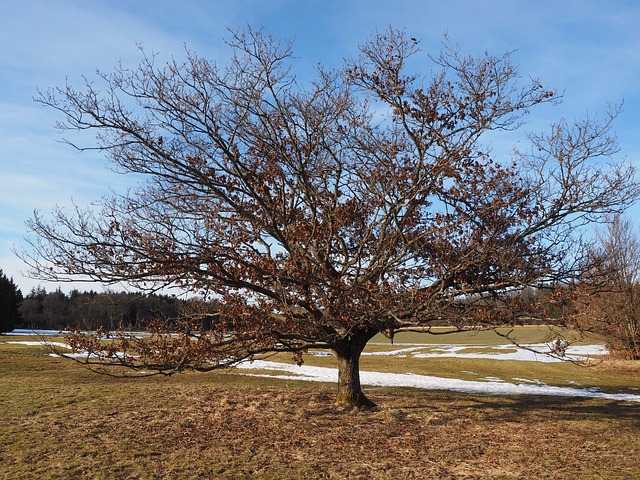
column 320, row 214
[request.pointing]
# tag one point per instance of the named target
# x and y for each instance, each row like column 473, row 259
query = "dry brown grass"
column 618, row 366
column 59, row 421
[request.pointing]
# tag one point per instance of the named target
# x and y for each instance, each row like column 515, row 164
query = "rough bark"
column 348, row 352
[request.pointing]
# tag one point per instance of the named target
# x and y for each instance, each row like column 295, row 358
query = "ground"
column 60, row 421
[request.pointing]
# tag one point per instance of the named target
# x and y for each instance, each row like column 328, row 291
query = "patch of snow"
column 534, row 352
column 393, row 353
column 44, row 333
column 492, row 379
column 26, row 331
column 44, row 344
column 324, row 374
column 88, row 355
column 320, row 353
column 72, row 355
column 534, row 381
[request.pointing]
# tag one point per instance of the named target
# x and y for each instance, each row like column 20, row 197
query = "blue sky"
column 589, row 49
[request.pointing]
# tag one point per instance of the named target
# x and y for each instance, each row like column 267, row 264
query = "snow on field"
column 24, row 331
column 324, row 374
column 532, row 352
column 35, row 344
column 56, row 345
column 490, row 385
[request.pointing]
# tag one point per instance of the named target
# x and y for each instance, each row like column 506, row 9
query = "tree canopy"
column 318, row 215
column 611, row 305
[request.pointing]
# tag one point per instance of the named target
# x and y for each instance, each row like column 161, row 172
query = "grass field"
column 58, row 420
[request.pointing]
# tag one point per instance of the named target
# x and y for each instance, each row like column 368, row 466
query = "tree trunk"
column 348, row 352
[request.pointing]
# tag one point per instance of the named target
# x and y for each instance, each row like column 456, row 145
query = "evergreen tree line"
column 91, row 310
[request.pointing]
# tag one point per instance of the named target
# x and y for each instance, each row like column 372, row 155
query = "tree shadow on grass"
column 558, row 408
column 504, row 408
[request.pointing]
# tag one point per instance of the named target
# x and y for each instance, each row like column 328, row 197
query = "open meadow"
column 58, row 420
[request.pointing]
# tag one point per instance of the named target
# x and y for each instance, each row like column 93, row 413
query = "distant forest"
column 90, row 310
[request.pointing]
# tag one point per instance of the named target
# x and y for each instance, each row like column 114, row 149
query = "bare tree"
column 612, row 305
column 320, row 215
